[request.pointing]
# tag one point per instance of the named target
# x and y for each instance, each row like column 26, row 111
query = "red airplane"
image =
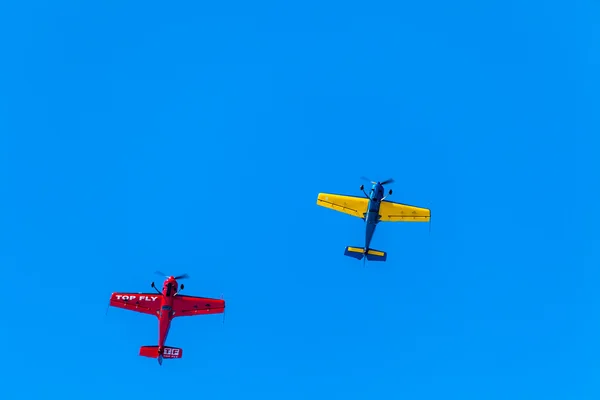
column 167, row 305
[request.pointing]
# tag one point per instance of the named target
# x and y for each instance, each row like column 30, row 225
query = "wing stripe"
column 337, row 206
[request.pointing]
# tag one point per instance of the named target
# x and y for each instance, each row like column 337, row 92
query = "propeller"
column 184, row 276
column 367, row 179
column 374, row 183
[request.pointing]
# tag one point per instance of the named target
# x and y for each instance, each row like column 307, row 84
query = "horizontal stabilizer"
column 168, row 352
column 371, row 254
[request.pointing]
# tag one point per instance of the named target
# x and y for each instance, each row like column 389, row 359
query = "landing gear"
column 157, row 291
column 181, row 287
column 390, row 192
column 362, row 187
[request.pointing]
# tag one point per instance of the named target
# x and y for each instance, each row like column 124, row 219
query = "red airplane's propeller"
column 374, row 183
column 184, row 276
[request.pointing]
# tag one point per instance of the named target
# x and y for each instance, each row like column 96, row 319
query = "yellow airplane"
column 372, row 209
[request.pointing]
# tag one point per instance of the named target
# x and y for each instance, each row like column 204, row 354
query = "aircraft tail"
column 370, row 254
column 167, row 352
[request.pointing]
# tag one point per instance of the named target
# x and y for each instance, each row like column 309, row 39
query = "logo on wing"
column 126, row 297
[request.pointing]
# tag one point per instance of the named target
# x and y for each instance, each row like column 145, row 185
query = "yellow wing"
column 396, row 212
column 352, row 205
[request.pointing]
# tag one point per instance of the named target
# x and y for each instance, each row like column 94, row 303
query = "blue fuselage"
column 372, row 215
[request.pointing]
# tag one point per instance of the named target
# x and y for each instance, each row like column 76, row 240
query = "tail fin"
column 167, row 352
column 370, row 254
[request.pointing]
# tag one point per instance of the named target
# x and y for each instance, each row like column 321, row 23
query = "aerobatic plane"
column 373, row 208
column 166, row 305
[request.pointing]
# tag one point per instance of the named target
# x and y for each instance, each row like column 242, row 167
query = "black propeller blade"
column 184, row 276
column 367, row 179
column 383, row 183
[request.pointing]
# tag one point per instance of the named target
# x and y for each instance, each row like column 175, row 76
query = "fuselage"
column 166, row 311
column 372, row 215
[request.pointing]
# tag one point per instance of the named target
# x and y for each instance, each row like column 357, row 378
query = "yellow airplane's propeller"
column 374, row 183
column 362, row 187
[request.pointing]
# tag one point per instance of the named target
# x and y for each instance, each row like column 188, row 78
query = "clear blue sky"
column 186, row 137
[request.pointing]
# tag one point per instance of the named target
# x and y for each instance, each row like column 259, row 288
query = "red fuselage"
column 165, row 315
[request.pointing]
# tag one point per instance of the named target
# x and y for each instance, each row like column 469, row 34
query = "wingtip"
column 430, row 224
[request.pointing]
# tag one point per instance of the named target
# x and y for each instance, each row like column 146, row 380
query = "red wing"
column 187, row 306
column 147, row 303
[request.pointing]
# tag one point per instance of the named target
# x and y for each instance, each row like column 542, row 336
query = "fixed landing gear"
column 362, row 187
column 390, row 192
column 152, row 285
column 181, row 287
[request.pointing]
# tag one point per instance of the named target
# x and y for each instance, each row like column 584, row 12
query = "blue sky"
column 187, row 137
